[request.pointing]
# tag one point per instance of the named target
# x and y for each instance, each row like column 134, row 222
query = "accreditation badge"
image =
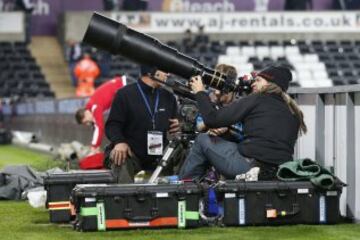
column 154, row 143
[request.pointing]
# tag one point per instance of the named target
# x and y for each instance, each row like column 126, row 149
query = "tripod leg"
column 169, row 152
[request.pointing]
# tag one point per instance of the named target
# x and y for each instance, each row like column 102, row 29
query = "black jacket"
column 270, row 130
column 129, row 120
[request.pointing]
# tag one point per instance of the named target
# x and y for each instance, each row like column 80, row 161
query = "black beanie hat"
column 146, row 70
column 278, row 74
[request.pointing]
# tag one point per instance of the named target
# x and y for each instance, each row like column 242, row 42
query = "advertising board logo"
column 198, row 6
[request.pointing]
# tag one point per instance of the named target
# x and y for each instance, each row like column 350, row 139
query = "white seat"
column 289, row 50
column 319, row 66
column 320, row 75
column 240, row 59
column 307, row 83
column 248, row 51
column 311, row 58
column 294, row 76
column 224, row 59
column 324, row 82
column 243, row 69
column 262, row 51
column 295, row 59
column 304, row 75
column 301, row 66
column 277, row 51
column 233, row 51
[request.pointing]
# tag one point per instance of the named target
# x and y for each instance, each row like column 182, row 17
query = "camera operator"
column 141, row 115
column 272, row 122
column 221, row 99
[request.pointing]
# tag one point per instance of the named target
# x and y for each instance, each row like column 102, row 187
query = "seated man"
column 93, row 113
column 272, row 122
column 141, row 115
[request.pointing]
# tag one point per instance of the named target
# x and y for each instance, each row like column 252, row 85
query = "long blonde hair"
column 293, row 107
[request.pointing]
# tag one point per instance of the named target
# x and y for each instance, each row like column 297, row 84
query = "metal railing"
column 333, row 139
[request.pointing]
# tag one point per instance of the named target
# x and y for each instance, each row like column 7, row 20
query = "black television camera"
column 107, row 34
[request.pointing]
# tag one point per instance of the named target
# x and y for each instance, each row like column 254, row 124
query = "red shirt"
column 100, row 102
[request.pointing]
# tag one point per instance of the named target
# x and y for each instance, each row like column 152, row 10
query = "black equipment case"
column 60, row 185
column 278, row 203
column 122, row 206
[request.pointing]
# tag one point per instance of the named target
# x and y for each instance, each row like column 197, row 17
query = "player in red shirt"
column 100, row 102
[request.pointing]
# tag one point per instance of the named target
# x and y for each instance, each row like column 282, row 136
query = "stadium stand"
column 314, row 63
column 20, row 75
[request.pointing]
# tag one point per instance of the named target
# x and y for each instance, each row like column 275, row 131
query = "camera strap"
column 147, row 104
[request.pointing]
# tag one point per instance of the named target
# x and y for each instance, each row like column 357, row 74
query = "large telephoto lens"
column 107, row 34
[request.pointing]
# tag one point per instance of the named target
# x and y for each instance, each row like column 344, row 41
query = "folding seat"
column 31, row 66
column 338, row 57
column 330, row 43
column 311, row 58
column 304, row 75
column 224, row 59
column 344, row 65
column 348, row 49
column 353, row 80
column 259, row 43
column 295, row 59
column 29, row 59
column 294, row 76
column 273, row 43
column 333, row 73
column 258, row 66
column 262, row 51
column 254, row 59
column 307, row 83
column 240, row 59
column 338, row 81
column 349, row 73
column 229, row 43
column 287, row 43
column 319, row 66
column 294, row 84
column 292, row 50
column 244, row 43
column 353, row 57
column 233, row 51
column 320, row 75
column 319, row 48
column 344, row 43
column 277, row 51
column 323, row 82
column 333, row 48
column 325, row 57
column 303, row 66
column 330, row 65
column 305, row 49
column 248, row 51
column 37, row 75
column 301, row 43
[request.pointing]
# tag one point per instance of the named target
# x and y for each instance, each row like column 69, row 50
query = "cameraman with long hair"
column 271, row 119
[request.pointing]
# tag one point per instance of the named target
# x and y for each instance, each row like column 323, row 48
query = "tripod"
column 171, row 152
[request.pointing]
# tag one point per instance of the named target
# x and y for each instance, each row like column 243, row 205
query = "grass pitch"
column 18, row 220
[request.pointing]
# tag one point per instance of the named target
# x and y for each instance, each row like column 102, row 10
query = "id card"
column 154, row 143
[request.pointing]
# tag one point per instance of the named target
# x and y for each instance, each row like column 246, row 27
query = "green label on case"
column 181, row 214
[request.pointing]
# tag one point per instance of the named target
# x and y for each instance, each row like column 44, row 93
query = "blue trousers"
column 214, row 151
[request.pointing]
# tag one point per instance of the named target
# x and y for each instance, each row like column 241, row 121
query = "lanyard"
column 146, row 101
